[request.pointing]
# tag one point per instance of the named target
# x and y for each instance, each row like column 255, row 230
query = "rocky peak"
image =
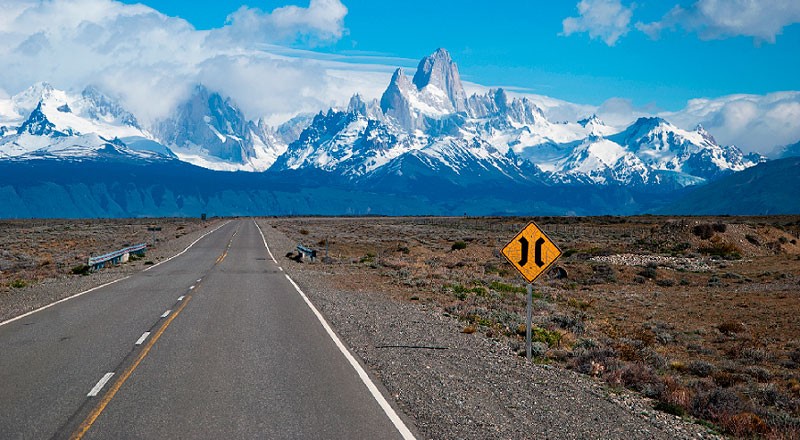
column 706, row 135
column 591, row 120
column 439, row 70
column 37, row 124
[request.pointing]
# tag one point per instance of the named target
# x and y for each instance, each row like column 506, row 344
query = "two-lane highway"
column 216, row 343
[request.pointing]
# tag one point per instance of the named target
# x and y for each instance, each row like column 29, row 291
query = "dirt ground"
column 32, row 251
column 700, row 314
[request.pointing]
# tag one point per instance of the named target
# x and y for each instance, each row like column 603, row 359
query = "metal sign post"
column 529, row 322
column 531, row 240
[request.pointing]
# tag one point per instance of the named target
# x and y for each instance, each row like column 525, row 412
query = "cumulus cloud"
column 754, row 123
column 605, row 19
column 716, row 19
column 150, row 60
column 321, row 21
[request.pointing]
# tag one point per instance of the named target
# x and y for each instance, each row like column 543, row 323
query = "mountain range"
column 424, row 147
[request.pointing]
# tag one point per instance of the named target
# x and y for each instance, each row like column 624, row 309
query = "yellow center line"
column 101, row 406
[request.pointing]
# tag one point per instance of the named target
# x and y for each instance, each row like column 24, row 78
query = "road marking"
column 376, row 394
column 9, row 321
column 166, row 314
column 280, row 268
column 100, row 384
column 191, row 288
column 199, row 280
column 180, row 298
column 142, row 338
column 187, row 247
column 92, row 417
column 373, row 389
column 265, row 243
column 61, row 301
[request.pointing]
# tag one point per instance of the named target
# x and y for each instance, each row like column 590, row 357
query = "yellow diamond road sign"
column 531, row 252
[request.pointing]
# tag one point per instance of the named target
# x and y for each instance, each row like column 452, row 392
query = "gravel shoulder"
column 469, row 386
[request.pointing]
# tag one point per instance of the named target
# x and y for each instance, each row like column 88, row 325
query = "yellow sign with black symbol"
column 531, row 252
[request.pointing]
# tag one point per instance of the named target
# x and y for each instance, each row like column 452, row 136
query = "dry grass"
column 703, row 318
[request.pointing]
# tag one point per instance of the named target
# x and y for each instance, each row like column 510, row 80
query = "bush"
column 719, row 227
column 700, row 368
column 703, row 230
column 731, row 327
column 19, row 284
column 724, row 250
column 81, row 269
column 649, row 272
column 459, row 245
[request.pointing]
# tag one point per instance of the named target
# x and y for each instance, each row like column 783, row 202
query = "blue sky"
column 519, row 43
column 730, row 65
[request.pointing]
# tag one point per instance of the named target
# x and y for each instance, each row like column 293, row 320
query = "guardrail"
column 116, row 257
column 307, row 252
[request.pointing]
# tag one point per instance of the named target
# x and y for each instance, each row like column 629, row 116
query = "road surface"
column 214, row 343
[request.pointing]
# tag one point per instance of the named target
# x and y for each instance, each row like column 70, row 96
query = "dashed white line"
column 96, row 390
column 280, row 268
column 191, row 287
column 142, row 338
column 166, row 313
column 180, row 298
column 199, row 280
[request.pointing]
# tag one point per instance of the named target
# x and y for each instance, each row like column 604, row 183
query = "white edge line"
column 265, row 242
column 61, row 301
column 187, row 247
column 165, row 314
column 373, row 389
column 396, row 420
column 142, row 338
column 9, row 321
column 96, row 390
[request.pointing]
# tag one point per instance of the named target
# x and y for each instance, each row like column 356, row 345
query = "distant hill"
column 768, row 188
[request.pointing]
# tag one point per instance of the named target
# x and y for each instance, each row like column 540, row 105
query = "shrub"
column 700, row 368
column 640, row 377
column 731, row 327
column 725, row 250
column 703, row 230
column 649, row 272
column 744, row 424
column 303, row 232
column 81, row 269
column 719, row 227
column 551, row 338
column 459, row 245
column 19, row 284
column 752, row 239
column 670, row 408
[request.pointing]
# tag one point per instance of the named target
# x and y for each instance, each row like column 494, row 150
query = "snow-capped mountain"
column 430, row 123
column 210, row 131
column 43, row 122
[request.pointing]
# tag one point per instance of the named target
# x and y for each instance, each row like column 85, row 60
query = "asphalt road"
column 234, row 350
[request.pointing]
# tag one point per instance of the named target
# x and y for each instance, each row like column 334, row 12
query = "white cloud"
column 752, row 122
column 151, row 60
column 716, row 19
column 605, row 19
column 322, row 20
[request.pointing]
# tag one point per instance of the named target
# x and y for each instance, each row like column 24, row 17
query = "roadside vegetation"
column 697, row 314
